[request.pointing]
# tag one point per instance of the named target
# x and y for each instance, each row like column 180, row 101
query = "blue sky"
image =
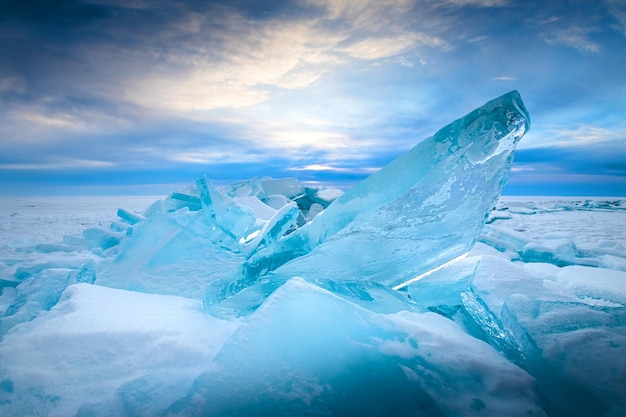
column 106, row 96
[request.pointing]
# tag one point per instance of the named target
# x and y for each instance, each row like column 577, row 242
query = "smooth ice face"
column 318, row 350
column 421, row 211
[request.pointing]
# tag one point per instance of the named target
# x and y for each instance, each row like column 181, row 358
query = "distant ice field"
column 587, row 218
column 26, row 221
column 30, row 220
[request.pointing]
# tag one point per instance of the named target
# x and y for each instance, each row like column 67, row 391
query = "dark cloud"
column 57, row 13
column 592, row 159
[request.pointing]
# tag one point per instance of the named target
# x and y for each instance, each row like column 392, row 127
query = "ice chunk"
column 190, row 201
column 288, row 187
column 314, row 351
column 101, row 238
column 276, row 201
column 560, row 340
column 86, row 274
column 328, row 195
column 176, row 253
column 613, row 262
column 261, row 211
column 247, row 188
column 129, row 216
column 282, row 221
column 236, row 220
column 560, row 252
column 98, row 341
column 38, row 293
column 559, row 318
column 421, row 211
column 313, row 211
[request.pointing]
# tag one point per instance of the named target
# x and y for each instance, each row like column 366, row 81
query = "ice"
column 575, row 235
column 418, row 213
column 120, row 312
column 178, row 248
column 96, row 341
column 283, row 220
column 612, row 262
column 101, row 238
column 129, row 216
column 33, row 297
column 336, row 357
column 176, row 253
column 328, row 195
column 550, row 321
column 287, row 187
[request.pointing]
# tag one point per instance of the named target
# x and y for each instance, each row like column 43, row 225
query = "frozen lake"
column 534, row 314
column 27, row 221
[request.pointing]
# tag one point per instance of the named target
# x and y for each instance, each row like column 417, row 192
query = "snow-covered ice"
column 138, row 306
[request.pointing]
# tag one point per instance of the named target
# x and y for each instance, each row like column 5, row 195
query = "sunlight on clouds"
column 376, row 48
column 329, row 168
column 504, row 78
column 290, row 56
column 212, row 156
column 570, row 134
column 41, row 123
column 586, row 135
column 300, row 139
column 243, row 58
column 198, row 90
column 55, row 121
column 362, row 12
column 523, row 168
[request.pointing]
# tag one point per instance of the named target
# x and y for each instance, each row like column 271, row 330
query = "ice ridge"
column 421, row 211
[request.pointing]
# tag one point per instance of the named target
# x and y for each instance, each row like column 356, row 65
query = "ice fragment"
column 421, row 211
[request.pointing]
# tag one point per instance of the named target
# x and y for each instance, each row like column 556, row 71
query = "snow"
column 96, row 339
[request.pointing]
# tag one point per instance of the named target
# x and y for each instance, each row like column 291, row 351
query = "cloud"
column 51, row 121
column 605, row 158
column 385, row 47
column 371, row 14
column 576, row 37
column 45, row 121
column 58, row 164
column 328, row 85
column 235, row 63
column 336, row 169
column 587, row 135
column 478, row 3
column 617, row 8
column 248, row 58
column 204, row 156
column 583, row 26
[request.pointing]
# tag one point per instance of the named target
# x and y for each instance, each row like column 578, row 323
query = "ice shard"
column 422, row 211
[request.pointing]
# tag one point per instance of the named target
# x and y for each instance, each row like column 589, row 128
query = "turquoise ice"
column 422, row 211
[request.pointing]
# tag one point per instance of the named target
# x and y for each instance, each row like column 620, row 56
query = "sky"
column 143, row 96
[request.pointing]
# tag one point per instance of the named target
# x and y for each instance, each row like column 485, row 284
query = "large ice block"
column 177, row 253
column 421, row 211
column 559, row 318
column 313, row 349
column 95, row 342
